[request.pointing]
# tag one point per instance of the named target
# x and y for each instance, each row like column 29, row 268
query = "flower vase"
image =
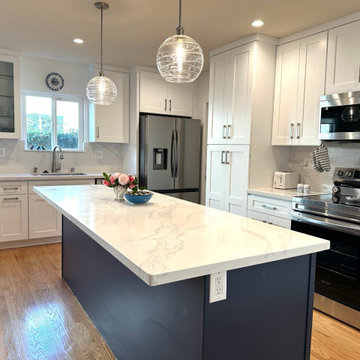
column 119, row 193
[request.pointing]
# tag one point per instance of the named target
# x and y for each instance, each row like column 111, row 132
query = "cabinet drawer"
column 270, row 206
column 272, row 220
column 13, row 188
column 58, row 183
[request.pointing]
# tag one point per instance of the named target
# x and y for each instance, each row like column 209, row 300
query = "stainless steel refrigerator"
column 170, row 156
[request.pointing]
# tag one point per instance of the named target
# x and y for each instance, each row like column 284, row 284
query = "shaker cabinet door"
column 112, row 122
column 241, row 80
column 13, row 217
column 237, row 179
column 286, row 93
column 219, row 98
column 216, row 177
column 311, row 87
column 44, row 219
column 180, row 99
column 343, row 66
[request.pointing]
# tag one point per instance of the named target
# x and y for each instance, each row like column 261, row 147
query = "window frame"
column 54, row 98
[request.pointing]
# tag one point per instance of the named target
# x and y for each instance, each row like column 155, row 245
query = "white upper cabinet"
column 241, row 80
column 300, row 81
column 286, row 93
column 9, row 97
column 110, row 123
column 311, row 87
column 160, row 97
column 219, row 92
column 230, row 96
column 343, row 67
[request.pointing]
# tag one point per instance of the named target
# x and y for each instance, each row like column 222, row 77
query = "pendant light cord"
column 101, row 43
column 180, row 29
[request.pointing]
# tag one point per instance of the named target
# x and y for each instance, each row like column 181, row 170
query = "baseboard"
column 29, row 242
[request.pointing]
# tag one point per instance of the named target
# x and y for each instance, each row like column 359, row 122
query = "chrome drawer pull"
column 224, row 130
column 269, row 207
column 229, row 131
column 7, row 199
column 11, row 188
column 291, row 131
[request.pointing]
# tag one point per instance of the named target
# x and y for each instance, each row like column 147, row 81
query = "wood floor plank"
column 40, row 318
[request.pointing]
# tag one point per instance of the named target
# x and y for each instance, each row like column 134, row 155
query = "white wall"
column 33, row 72
column 341, row 154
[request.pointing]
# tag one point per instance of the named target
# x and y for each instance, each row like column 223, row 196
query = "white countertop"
column 31, row 177
column 168, row 239
column 280, row 194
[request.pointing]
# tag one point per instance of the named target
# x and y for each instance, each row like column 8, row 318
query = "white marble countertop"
column 280, row 194
column 168, row 239
column 32, row 177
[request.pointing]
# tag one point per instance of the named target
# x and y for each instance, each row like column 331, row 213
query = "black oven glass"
column 338, row 269
column 338, row 119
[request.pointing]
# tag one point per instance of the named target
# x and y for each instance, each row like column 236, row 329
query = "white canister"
column 300, row 188
column 307, row 189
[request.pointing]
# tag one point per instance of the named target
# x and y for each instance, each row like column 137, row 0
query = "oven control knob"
column 336, row 190
column 336, row 199
column 340, row 173
column 349, row 173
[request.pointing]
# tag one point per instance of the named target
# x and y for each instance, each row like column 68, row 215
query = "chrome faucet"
column 57, row 156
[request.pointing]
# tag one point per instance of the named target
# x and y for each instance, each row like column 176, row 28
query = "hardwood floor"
column 41, row 319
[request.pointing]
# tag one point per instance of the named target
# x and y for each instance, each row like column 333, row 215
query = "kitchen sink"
column 60, row 174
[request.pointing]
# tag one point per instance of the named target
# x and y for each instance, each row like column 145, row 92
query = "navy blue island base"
column 267, row 314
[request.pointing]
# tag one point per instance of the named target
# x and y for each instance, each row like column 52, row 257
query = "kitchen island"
column 142, row 273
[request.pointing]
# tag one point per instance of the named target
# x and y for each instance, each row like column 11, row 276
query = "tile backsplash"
column 341, row 154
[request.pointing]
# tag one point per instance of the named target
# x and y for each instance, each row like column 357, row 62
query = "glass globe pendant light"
column 180, row 58
column 100, row 90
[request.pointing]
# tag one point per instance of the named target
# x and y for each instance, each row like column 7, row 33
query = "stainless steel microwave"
column 340, row 116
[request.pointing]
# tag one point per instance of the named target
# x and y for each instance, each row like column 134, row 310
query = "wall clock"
column 54, row 81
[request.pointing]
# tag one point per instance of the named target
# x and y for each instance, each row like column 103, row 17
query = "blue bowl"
column 138, row 199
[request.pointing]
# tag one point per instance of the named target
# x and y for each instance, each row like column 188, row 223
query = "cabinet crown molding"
column 254, row 37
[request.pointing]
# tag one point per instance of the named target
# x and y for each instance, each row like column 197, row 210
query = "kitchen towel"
column 320, row 158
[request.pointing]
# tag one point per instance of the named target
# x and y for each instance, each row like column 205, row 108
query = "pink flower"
column 112, row 180
column 116, row 175
column 123, row 179
column 131, row 178
column 106, row 183
column 131, row 186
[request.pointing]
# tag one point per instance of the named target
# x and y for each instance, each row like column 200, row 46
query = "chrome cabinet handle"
column 97, row 132
column 359, row 74
column 165, row 108
column 229, row 131
column 170, row 105
column 226, row 157
column 269, row 207
column 11, row 188
column 291, row 131
column 8, row 199
column 224, row 131
column 222, row 157
column 298, row 130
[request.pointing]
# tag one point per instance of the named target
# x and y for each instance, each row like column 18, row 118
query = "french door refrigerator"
column 170, row 155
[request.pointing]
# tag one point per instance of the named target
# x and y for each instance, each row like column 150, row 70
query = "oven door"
column 337, row 269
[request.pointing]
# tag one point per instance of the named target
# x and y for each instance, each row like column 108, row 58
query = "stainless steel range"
column 335, row 217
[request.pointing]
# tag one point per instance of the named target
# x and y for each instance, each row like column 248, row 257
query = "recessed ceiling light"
column 78, row 41
column 257, row 23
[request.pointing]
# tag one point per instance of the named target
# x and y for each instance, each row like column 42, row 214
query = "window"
column 53, row 120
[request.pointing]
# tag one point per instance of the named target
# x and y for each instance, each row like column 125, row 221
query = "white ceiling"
column 134, row 29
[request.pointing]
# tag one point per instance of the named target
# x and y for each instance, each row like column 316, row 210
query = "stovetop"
column 342, row 207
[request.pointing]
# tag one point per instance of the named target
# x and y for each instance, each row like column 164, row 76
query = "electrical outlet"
column 2, row 152
column 98, row 154
column 217, row 286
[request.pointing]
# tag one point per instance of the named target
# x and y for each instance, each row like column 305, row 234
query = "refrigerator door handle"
column 172, row 156
column 177, row 153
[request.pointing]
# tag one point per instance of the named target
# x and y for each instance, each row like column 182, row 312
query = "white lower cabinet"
column 44, row 220
column 227, row 177
column 270, row 210
column 13, row 217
